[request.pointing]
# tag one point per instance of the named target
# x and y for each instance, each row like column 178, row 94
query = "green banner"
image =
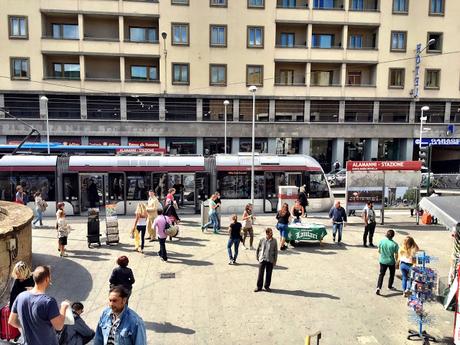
column 306, row 232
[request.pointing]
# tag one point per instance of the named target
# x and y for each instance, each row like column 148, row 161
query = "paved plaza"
column 328, row 288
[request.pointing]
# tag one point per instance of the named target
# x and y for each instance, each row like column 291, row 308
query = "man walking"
column 266, row 254
column 388, row 250
column 338, row 217
column 36, row 314
column 369, row 223
column 118, row 323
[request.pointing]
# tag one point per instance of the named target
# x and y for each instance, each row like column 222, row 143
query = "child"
column 235, row 234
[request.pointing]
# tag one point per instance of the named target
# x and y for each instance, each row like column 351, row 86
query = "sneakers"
column 252, row 248
column 377, row 291
column 230, row 262
column 392, row 288
column 234, row 262
column 245, row 248
column 268, row 289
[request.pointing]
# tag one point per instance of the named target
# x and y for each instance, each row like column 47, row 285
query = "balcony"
column 328, row 4
column 325, row 74
column 61, row 67
column 101, row 28
column 102, row 68
column 364, row 5
column 362, row 37
column 290, row 74
column 60, row 26
column 291, row 35
column 361, row 75
column 143, row 70
column 327, row 37
column 292, row 4
column 140, row 30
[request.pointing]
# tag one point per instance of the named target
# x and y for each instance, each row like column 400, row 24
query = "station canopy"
column 445, row 208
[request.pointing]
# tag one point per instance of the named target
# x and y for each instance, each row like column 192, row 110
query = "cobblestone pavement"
column 326, row 288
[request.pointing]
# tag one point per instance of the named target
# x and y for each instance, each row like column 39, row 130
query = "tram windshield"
column 317, row 185
column 30, row 182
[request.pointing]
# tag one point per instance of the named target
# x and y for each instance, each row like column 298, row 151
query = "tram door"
column 70, row 191
column 92, row 191
column 272, row 181
column 184, row 183
column 202, row 190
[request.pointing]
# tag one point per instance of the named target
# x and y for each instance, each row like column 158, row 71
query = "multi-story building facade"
column 335, row 78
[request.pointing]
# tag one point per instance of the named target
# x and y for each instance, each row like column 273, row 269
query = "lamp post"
column 422, row 122
column 253, row 90
column 44, row 101
column 164, row 35
column 225, row 125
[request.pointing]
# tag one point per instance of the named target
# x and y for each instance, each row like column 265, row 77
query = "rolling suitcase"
column 7, row 332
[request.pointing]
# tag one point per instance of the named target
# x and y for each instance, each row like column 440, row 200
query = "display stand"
column 423, row 281
column 111, row 222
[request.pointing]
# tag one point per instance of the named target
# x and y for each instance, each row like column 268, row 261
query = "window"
column 432, row 78
column 20, row 68
column 66, row 70
column 286, row 77
column 18, row 27
column 322, row 78
column 400, row 6
column 220, row 3
column 398, row 41
column 287, row 110
column 288, row 4
column 287, row 39
column 237, row 184
column 180, row 109
column 436, row 7
column 356, row 42
column 181, row 73
column 256, row 3
column 143, row 34
column 322, row 41
column 218, row 35
column 218, row 75
column 255, row 75
column 180, row 34
column 354, row 78
column 436, row 45
column 144, row 73
column 179, row 2
column 325, row 4
column 65, row 31
column 396, row 78
column 357, row 5
column 255, row 37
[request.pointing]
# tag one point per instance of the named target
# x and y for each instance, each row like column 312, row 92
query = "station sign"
column 438, row 141
column 383, row 165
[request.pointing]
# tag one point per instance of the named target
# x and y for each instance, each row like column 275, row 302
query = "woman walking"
column 235, row 234
column 63, row 230
column 406, row 257
column 303, row 198
column 283, row 218
column 170, row 212
column 40, row 207
column 140, row 225
column 297, row 211
column 160, row 226
column 122, row 275
column 248, row 218
column 212, row 213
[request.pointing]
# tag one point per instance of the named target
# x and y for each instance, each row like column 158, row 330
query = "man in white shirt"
column 369, row 223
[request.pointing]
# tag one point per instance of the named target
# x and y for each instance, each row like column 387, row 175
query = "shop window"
column 23, row 105
column 261, row 145
column 142, row 108
column 359, row 111
column 434, row 115
column 324, row 111
column 214, row 110
column 261, row 109
column 287, row 146
column 455, row 112
column 181, row 146
column 289, row 111
column 213, row 146
column 180, row 109
column 394, row 112
column 321, row 150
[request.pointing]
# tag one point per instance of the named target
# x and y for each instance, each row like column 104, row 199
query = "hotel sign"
column 418, row 60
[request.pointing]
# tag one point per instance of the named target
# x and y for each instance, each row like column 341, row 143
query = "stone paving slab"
column 329, row 288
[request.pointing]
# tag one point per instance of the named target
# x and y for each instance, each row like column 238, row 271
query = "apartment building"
column 336, row 79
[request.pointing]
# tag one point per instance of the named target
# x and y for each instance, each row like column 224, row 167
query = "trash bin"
column 94, row 233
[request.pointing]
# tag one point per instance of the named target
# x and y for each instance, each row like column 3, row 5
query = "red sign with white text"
column 383, row 165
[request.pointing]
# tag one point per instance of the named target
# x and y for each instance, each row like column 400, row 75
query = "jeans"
column 268, row 267
column 235, row 242
column 383, row 270
column 162, row 253
column 337, row 227
column 39, row 218
column 405, row 269
column 369, row 229
column 214, row 221
column 283, row 229
column 141, row 229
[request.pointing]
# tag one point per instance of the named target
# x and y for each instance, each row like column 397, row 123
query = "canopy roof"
column 445, row 208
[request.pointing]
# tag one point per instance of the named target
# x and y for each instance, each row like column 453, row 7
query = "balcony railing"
column 141, row 41
column 109, row 79
column 279, row 83
column 363, row 48
column 301, row 46
column 360, row 85
column 298, row 6
column 327, row 47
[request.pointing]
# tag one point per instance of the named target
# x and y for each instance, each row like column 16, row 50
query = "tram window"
column 116, row 187
column 137, row 186
column 31, row 183
column 317, row 185
column 237, row 184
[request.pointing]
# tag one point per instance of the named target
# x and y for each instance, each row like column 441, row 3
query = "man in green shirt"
column 388, row 250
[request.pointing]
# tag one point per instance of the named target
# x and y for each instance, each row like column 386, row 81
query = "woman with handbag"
column 140, row 225
column 248, row 219
column 40, row 207
column 161, row 225
column 283, row 218
column 406, row 255
column 170, row 212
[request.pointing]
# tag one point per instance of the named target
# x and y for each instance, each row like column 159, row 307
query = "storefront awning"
column 445, row 208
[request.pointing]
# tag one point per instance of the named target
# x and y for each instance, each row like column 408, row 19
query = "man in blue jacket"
column 338, row 216
column 119, row 325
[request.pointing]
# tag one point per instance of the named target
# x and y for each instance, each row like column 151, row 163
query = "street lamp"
column 253, row 90
column 225, row 125
column 164, row 34
column 44, row 101
column 422, row 122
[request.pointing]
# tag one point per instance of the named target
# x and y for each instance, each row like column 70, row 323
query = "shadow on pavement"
column 277, row 267
column 301, row 293
column 70, row 279
column 415, row 227
column 87, row 255
column 188, row 262
column 167, row 327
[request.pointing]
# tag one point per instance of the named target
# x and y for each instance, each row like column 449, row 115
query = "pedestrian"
column 248, row 222
column 336, row 166
column 160, row 225
column 388, row 250
column 212, row 213
column 283, row 216
column 40, row 207
column 407, row 258
column 297, row 211
column 303, row 197
column 153, row 204
column 122, row 275
column 118, row 323
column 235, row 234
column 369, row 224
column 23, row 280
column 92, row 193
column 140, row 225
column 266, row 254
column 338, row 216
column 19, row 198
column 63, row 230
column 218, row 208
column 79, row 333
column 170, row 197
column 170, row 212
column 36, row 314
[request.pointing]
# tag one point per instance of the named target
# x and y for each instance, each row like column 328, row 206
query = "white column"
column 341, row 111
column 84, row 140
column 305, row 146
column 199, row 146
column 83, row 107
column 123, row 108
column 124, row 141
column 447, row 112
column 271, row 112
column 371, row 149
column 306, row 111
column 376, row 112
column 272, row 145
column 343, row 75
column 345, row 37
column 199, row 109
column 162, row 110
column 236, row 114
column 121, row 28
column 338, row 146
column 122, row 69
column 2, row 105
column 235, row 145
column 412, row 112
